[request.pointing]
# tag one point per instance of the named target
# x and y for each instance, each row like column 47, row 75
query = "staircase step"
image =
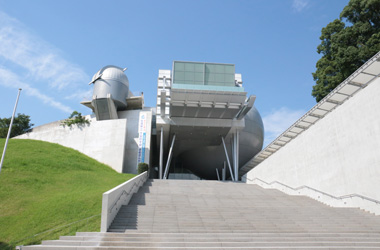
column 179, row 214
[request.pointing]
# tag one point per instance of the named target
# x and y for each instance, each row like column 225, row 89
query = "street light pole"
column 9, row 130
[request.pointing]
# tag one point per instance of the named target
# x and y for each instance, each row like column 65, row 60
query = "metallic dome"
column 111, row 80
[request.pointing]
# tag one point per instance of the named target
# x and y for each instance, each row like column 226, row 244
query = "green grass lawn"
column 47, row 187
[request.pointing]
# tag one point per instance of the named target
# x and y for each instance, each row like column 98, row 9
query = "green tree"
column 75, row 118
column 346, row 44
column 21, row 125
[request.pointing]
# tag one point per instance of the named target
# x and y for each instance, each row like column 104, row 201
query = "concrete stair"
column 180, row 214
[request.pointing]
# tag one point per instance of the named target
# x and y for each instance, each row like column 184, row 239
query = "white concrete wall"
column 131, row 144
column 112, row 142
column 101, row 140
column 339, row 155
column 117, row 197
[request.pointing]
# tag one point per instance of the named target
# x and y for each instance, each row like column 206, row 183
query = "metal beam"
column 228, row 159
column 169, row 159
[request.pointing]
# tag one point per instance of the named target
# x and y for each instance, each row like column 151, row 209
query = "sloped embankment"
column 45, row 186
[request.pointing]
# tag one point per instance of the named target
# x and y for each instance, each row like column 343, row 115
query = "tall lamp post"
column 9, row 130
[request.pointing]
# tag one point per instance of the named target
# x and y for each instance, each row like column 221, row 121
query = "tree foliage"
column 347, row 43
column 75, row 118
column 142, row 167
column 21, row 125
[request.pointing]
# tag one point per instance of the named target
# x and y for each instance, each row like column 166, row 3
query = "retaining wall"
column 102, row 140
column 339, row 155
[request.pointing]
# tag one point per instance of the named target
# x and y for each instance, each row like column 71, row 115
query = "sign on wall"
column 142, row 138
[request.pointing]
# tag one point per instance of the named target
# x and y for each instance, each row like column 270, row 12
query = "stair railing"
column 117, row 197
column 366, row 203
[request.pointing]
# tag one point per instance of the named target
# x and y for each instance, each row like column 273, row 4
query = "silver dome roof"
column 112, row 73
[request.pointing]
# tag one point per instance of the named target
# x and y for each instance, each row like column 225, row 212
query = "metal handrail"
column 318, row 191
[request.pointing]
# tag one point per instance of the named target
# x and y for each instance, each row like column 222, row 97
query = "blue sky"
column 51, row 49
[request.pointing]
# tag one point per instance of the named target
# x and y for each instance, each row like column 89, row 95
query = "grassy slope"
column 45, row 186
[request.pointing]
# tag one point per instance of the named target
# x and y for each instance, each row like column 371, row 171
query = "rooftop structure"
column 202, row 109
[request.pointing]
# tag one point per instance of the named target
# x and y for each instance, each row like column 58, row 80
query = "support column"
column 169, row 159
column 228, row 159
column 217, row 174
column 233, row 155
column 161, row 153
column 224, row 171
column 237, row 156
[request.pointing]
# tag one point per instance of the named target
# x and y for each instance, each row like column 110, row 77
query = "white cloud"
column 83, row 95
column 299, row 5
column 29, row 59
column 9, row 79
column 278, row 121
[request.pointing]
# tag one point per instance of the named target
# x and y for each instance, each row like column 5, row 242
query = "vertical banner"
column 142, row 138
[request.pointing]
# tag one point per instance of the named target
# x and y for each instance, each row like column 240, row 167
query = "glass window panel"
column 219, row 68
column 179, row 66
column 198, row 67
column 219, row 78
column 210, row 77
column 198, row 77
column 229, row 69
column 179, row 76
column 210, row 68
column 204, row 73
column 230, row 79
column 189, row 67
column 189, row 76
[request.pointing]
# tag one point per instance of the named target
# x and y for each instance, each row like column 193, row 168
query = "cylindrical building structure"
column 111, row 80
